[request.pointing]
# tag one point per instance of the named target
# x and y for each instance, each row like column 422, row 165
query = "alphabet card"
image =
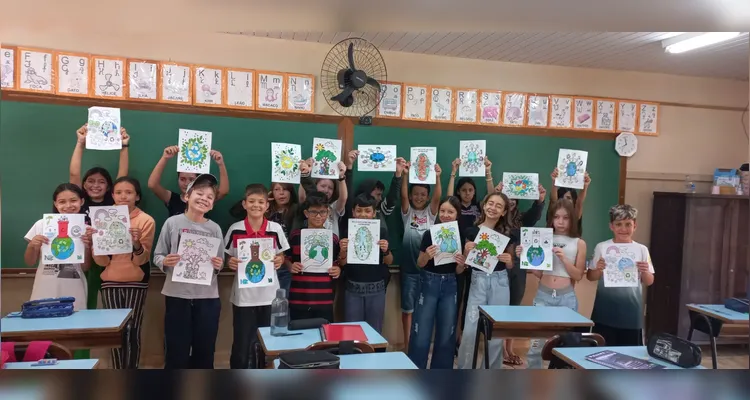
column 209, row 86
column 441, row 104
column 7, row 68
column 571, row 168
column 536, row 249
column 317, row 250
column 103, row 129
column 176, row 81
column 64, row 232
column 285, row 160
column 364, row 235
column 583, row 114
column 35, row 70
column 466, row 106
column 143, row 80
column 415, row 102
column 195, row 148
column 73, row 74
column 561, row 112
column 648, row 119
column 326, row 158
column 518, row 185
column 606, row 115
column 256, row 263
column 538, row 111
column 270, row 91
column 472, row 154
column 448, row 241
column 108, row 77
column 489, row 245
column 422, row 168
column 196, row 252
column 627, row 112
column 112, row 225
column 621, row 269
column 490, row 104
column 240, row 88
column 390, row 100
column 300, row 93
column 514, row 108
column 377, row 158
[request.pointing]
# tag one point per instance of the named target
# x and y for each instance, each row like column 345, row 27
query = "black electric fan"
column 351, row 76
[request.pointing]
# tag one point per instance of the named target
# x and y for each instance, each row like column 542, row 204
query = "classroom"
column 699, row 105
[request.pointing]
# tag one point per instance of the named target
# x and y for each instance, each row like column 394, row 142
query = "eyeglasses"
column 318, row 213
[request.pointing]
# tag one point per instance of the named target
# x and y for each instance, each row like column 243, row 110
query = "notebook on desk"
column 338, row 333
column 614, row 360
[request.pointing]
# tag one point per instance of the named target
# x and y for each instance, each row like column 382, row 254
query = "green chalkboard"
column 509, row 153
column 38, row 140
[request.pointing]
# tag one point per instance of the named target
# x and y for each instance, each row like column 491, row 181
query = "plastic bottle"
column 280, row 314
column 689, row 185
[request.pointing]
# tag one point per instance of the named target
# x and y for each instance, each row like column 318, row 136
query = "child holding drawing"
column 335, row 191
column 572, row 195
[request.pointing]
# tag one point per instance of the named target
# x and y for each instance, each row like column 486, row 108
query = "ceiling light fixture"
column 692, row 41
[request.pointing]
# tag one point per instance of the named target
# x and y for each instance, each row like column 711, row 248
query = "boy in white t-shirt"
column 251, row 307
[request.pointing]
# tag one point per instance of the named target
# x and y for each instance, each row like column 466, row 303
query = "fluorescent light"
column 683, row 43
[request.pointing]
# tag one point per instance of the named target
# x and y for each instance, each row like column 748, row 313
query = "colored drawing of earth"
column 625, row 263
column 571, row 169
column 535, row 256
column 377, row 157
column 449, row 246
column 62, row 248
column 255, row 271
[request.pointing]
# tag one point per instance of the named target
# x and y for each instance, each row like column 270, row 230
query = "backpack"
column 35, row 351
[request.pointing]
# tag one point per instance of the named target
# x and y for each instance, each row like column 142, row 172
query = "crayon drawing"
column 103, row 129
column 472, row 154
column 270, row 91
column 209, row 86
column 377, row 158
column 112, row 225
column 300, row 93
column 514, row 109
column 285, row 159
column 364, row 235
column 64, row 232
column 583, row 116
column 518, row 185
column 536, row 250
column 326, row 158
column 194, row 156
column 422, row 168
column 317, row 250
column 489, row 244
column 490, row 104
column 446, row 237
column 571, row 168
column 256, row 262
column 196, row 252
column 621, row 270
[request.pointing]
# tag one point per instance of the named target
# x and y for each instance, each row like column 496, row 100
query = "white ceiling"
column 635, row 51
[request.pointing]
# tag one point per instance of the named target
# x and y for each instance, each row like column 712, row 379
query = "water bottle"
column 689, row 185
column 279, row 314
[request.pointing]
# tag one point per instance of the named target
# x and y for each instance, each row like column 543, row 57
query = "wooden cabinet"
column 700, row 247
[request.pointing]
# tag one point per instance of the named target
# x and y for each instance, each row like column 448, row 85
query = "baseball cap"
column 203, row 178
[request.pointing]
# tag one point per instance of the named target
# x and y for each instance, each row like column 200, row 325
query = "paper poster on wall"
column 441, row 104
column 583, row 114
column 196, row 252
column 316, row 253
column 466, row 106
column 648, row 119
column 538, row 111
column 621, row 269
column 112, row 225
column 626, row 116
column 377, row 158
column 489, row 245
column 209, row 86
column 176, row 83
column 300, row 93
column 270, row 91
column 364, row 235
column 285, row 160
column 326, row 158
column 103, row 129
column 142, row 80
column 390, row 103
column 240, row 88
column 7, row 68
column 73, row 74
column 64, row 232
column 472, row 154
column 536, row 249
column 606, row 115
column 256, row 267
column 561, row 112
column 35, row 70
column 422, row 168
column 521, row 185
column 448, row 242
column 108, row 77
column 490, row 104
column 571, row 168
column 415, row 102
column 195, row 149
column 514, row 107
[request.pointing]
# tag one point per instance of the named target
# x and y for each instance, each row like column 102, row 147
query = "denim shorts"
column 409, row 292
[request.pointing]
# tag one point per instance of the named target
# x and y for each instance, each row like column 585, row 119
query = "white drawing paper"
column 648, row 119
column 472, row 154
column 7, row 68
column 326, row 158
column 583, row 114
column 72, row 74
column 103, row 129
column 621, row 270
column 316, row 251
column 196, row 252
column 571, row 168
column 64, row 232
column 518, row 185
column 466, row 106
column 422, row 169
column 142, row 79
column 195, row 149
column 441, row 104
column 109, row 77
column 626, row 115
column 364, row 235
column 561, row 112
column 490, row 244
column 241, row 88
column 536, row 249
column 175, row 83
column 256, row 262
column 209, row 86
column 300, row 90
column 112, row 225
column 448, row 241
column 538, row 111
column 415, row 103
column 514, row 109
column 285, row 160
column 378, row 158
column 490, row 104
column 605, row 115
column 36, row 70
column 270, row 91
column 390, row 103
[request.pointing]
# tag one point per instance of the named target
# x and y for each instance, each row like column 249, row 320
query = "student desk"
column 85, row 329
column 61, row 364
column 272, row 346
column 392, row 360
column 576, row 356
column 709, row 318
column 524, row 322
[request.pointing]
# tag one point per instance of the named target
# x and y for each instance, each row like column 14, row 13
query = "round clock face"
column 626, row 144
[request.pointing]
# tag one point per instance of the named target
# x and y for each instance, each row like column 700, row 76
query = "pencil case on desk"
column 48, row 308
column 738, row 305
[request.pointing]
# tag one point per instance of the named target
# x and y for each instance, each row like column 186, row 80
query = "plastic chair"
column 338, row 348
column 571, row 339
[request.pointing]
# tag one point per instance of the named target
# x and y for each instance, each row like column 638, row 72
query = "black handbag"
column 674, row 350
column 309, row 359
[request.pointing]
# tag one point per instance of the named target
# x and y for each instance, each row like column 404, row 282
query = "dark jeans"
column 190, row 329
column 619, row 336
column 436, row 308
column 246, row 321
column 463, row 285
column 517, row 281
column 366, row 305
column 285, row 279
column 298, row 313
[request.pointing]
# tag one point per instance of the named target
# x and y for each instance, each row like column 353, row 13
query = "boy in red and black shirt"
column 311, row 293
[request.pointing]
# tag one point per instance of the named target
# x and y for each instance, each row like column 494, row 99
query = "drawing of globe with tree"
column 484, row 249
column 316, row 249
column 193, row 256
column 62, row 246
column 446, row 239
column 362, row 243
column 194, row 151
column 255, row 270
column 326, row 159
column 473, row 159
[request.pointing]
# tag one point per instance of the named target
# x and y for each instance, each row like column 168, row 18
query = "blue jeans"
column 436, row 308
column 285, row 279
column 550, row 298
column 409, row 291
column 486, row 289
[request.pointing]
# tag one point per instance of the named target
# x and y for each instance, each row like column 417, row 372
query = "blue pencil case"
column 738, row 305
column 48, row 308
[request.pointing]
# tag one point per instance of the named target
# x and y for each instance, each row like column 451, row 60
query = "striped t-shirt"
column 310, row 290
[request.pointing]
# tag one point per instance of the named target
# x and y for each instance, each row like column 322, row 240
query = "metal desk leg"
column 709, row 326
column 480, row 324
column 487, row 336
